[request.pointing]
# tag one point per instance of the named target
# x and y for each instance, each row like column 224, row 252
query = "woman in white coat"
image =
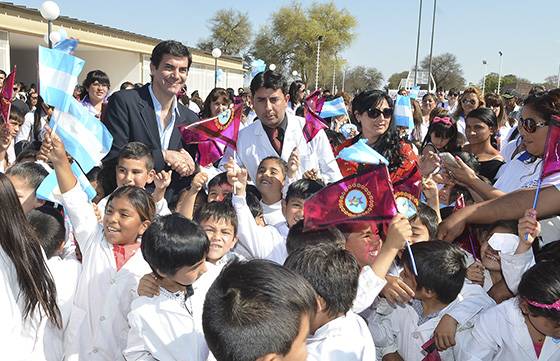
column 526, row 328
column 27, row 290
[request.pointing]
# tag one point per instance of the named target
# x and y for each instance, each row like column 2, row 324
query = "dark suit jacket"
column 130, row 117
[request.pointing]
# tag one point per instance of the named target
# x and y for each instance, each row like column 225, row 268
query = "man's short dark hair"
column 48, row 224
column 297, row 238
column 441, row 268
column 138, row 151
column 171, row 47
column 332, row 271
column 270, row 80
column 217, row 211
column 255, row 308
column 303, row 189
column 32, row 173
column 172, row 242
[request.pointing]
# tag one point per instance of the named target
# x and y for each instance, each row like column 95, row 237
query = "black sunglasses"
column 530, row 125
column 375, row 113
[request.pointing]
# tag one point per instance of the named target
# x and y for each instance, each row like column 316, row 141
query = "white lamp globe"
column 216, row 53
column 55, row 37
column 294, row 73
column 49, row 10
column 272, row 67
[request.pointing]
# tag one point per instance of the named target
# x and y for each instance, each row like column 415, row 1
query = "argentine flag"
column 49, row 191
column 361, row 152
column 86, row 139
column 403, row 112
column 333, row 108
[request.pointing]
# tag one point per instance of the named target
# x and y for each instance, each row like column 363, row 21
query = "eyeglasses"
column 530, row 125
column 452, row 95
column 375, row 113
column 468, row 101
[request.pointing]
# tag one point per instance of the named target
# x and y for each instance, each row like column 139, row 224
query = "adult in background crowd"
column 97, row 86
column 151, row 114
column 297, row 95
column 470, row 100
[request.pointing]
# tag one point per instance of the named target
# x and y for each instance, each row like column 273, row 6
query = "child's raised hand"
column 528, row 229
column 162, row 180
column 430, row 189
column 293, row 163
column 396, row 291
column 148, row 285
column 399, row 231
column 198, row 182
column 475, row 273
column 312, row 174
column 52, row 148
column 429, row 163
column 444, row 333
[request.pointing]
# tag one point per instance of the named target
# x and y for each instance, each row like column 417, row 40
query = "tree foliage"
column 230, row 32
column 508, row 81
column 395, row 79
column 447, row 72
column 363, row 78
column 289, row 39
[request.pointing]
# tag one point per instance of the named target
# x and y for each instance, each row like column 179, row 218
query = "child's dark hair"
column 142, row 202
column 298, row 238
column 443, row 130
column 172, row 242
column 138, row 151
column 93, row 174
column 48, row 224
column 217, row 211
column 17, row 115
column 269, row 80
column 281, row 162
column 260, row 301
column 218, row 180
column 429, row 218
column 332, row 271
column 441, row 268
column 96, row 76
column 32, row 173
column 541, row 284
column 303, row 189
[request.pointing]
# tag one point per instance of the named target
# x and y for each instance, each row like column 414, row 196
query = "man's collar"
column 157, row 104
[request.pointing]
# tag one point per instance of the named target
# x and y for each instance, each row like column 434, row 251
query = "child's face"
column 419, row 231
column 26, row 194
column 408, row 277
column 133, row 172
column 543, row 324
column 293, row 210
column 298, row 350
column 490, row 257
column 270, row 177
column 122, row 223
column 219, row 192
column 364, row 245
column 222, row 237
column 438, row 142
column 187, row 275
column 14, row 126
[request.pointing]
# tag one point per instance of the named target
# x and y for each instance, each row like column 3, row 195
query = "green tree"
column 230, row 32
column 289, row 39
column 447, row 72
column 363, row 78
column 395, row 79
column 508, row 81
column 550, row 82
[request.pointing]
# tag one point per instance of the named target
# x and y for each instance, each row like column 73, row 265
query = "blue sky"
column 525, row 31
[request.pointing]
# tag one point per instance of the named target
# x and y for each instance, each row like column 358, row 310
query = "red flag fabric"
column 312, row 108
column 7, row 95
column 551, row 158
column 407, row 192
column 432, row 353
column 214, row 134
column 366, row 196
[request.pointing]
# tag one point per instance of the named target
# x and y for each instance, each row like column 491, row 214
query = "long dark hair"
column 488, row 117
column 215, row 94
column 294, row 88
column 20, row 243
column 41, row 109
column 389, row 143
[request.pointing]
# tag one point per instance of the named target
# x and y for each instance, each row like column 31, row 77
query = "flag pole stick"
column 412, row 261
column 537, row 192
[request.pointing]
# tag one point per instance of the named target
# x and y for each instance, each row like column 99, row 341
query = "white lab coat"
column 513, row 267
column 98, row 326
column 345, row 338
column 161, row 329
column 370, row 286
column 253, row 146
column 500, row 334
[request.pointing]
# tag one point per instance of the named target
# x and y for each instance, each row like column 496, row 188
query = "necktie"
column 276, row 137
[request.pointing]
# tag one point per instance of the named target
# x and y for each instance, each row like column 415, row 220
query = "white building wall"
column 5, row 52
column 201, row 78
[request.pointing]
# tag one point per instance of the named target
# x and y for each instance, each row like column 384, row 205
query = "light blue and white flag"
column 361, row 152
column 403, row 112
column 49, row 191
column 86, row 139
column 414, row 91
column 333, row 108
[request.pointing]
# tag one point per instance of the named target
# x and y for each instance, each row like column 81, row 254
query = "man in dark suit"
column 151, row 114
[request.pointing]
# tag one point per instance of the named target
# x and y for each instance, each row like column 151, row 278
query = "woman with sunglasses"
column 470, row 100
column 373, row 112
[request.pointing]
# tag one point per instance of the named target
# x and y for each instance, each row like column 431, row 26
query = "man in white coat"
column 277, row 132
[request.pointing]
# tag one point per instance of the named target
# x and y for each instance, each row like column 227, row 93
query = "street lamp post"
column 49, row 11
column 319, row 39
column 485, row 63
column 417, row 43
column 334, row 75
column 432, row 48
column 216, row 53
column 343, row 77
column 500, row 72
column 558, row 78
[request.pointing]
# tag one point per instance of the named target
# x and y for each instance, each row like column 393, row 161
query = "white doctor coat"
column 98, row 326
column 253, row 146
column 500, row 334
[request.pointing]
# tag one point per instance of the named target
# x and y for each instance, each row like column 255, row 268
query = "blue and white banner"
column 403, row 112
column 333, row 108
column 86, row 139
column 49, row 191
column 414, row 92
column 361, row 152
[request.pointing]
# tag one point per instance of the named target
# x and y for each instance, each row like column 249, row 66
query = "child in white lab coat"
column 292, row 205
column 441, row 273
column 337, row 333
column 26, row 178
column 169, row 325
column 111, row 261
column 258, row 310
column 526, row 328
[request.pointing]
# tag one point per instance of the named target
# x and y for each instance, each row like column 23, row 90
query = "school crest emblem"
column 407, row 204
column 223, row 120
column 356, row 201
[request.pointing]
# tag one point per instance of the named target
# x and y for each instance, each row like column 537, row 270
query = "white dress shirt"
column 164, row 134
